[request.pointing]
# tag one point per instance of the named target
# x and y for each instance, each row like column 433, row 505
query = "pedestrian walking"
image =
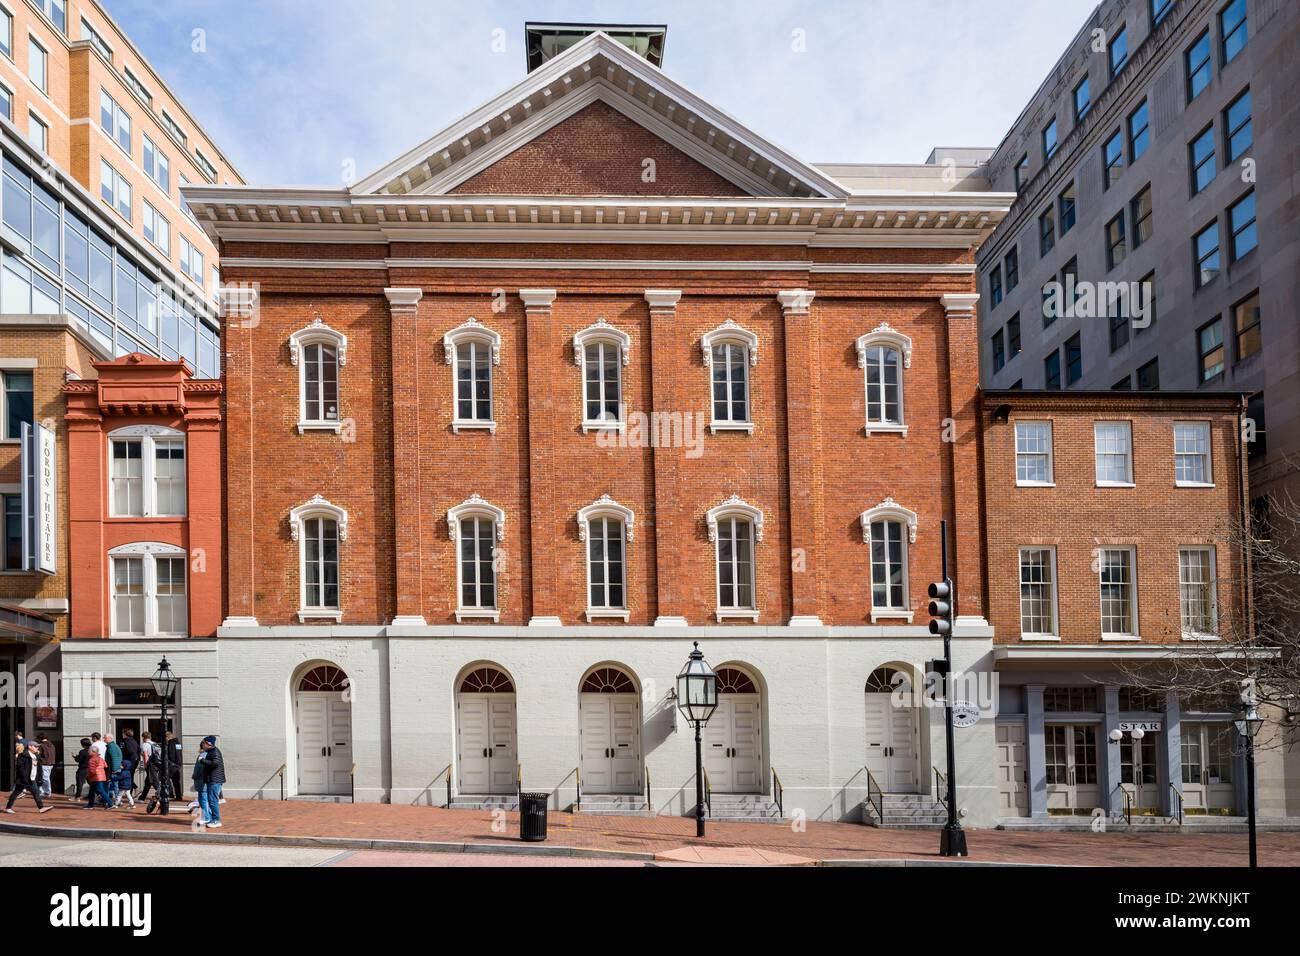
column 131, row 751
column 27, row 777
column 97, row 744
column 113, row 757
column 124, row 789
column 83, row 759
column 48, row 758
column 151, row 755
column 175, row 764
column 97, row 777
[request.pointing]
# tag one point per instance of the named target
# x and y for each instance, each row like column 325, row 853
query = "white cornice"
column 639, row 265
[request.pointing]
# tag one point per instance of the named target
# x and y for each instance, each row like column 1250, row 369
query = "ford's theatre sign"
column 40, row 504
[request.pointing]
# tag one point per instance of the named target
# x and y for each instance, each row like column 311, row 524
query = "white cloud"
column 290, row 92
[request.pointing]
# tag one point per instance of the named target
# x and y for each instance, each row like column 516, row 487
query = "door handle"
column 484, row 751
column 322, row 751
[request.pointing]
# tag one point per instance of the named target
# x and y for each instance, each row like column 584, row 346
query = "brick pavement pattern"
column 657, row 835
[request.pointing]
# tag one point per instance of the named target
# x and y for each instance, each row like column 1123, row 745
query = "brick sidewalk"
column 821, row 841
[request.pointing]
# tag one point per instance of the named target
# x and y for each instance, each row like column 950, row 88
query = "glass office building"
column 63, row 253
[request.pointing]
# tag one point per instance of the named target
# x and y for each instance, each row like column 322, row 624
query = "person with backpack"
column 113, row 757
column 27, row 777
column 175, row 764
column 131, row 752
column 124, row 787
column 151, row 754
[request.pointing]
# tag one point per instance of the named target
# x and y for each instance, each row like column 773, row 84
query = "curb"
column 931, row 863
column 335, row 843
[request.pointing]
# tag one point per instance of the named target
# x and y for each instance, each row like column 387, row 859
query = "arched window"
column 486, row 680
column 318, row 352
column 477, row 526
column 147, row 590
column 734, row 527
column 889, row 529
column 601, row 351
column 326, row 678
column 472, row 350
column 883, row 354
column 729, row 352
column 146, row 471
column 885, row 680
column 318, row 526
column 732, row 680
column 607, row 527
column 608, row 680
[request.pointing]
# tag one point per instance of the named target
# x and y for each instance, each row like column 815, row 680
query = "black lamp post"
column 164, row 685
column 697, row 699
column 1248, row 725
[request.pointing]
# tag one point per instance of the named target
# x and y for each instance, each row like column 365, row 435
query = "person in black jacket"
column 28, row 777
column 131, row 751
column 213, row 768
column 82, row 758
column 175, row 764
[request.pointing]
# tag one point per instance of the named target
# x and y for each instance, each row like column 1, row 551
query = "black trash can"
column 532, row 816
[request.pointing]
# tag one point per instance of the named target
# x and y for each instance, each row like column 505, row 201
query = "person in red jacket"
column 97, row 777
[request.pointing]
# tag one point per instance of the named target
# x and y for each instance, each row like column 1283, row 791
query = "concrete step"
column 742, row 808
column 906, row 811
column 484, row 803
column 319, row 798
column 614, row 805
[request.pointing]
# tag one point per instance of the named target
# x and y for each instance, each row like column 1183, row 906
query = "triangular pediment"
column 596, row 93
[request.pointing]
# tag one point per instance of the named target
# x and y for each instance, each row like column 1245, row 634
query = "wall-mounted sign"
column 964, row 714
column 39, row 499
column 1146, row 726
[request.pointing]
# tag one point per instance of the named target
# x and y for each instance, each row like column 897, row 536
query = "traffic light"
column 941, row 608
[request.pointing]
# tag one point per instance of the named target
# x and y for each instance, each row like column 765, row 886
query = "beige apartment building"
column 77, row 88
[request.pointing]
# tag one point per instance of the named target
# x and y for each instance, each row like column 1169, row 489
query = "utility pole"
column 952, row 842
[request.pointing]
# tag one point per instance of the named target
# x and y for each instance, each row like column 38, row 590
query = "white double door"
column 891, row 744
column 324, row 743
column 611, row 743
column 485, row 731
column 733, row 745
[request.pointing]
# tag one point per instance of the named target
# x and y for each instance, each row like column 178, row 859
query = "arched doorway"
column 485, row 732
column 610, row 712
column 733, row 737
column 892, row 730
column 323, row 713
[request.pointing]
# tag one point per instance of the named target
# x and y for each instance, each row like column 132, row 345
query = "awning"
column 17, row 623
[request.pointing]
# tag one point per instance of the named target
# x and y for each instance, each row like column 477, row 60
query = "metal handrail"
column 446, row 770
column 1177, row 802
column 1128, row 803
column 646, row 770
column 281, row 771
column 940, row 787
column 878, row 800
column 708, row 794
column 778, row 793
column 519, row 781
column 577, row 776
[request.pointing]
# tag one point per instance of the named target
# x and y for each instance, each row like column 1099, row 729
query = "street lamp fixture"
column 1248, row 725
column 164, row 685
column 697, row 699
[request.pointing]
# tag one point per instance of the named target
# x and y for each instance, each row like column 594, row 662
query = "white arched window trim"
column 606, row 507
column 891, row 510
column 146, row 435
column 600, row 332
column 736, row 507
column 318, row 333
column 475, row 507
column 886, row 334
column 317, row 507
column 472, row 330
column 730, row 332
column 148, row 552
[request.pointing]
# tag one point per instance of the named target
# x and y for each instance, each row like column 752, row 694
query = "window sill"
column 594, row 613
column 1041, row 637
column 147, row 637
column 737, row 613
column 746, row 427
column 602, row 427
column 1121, row 637
column 1193, row 484
column 305, row 426
column 1200, row 637
column 319, row 614
column 460, row 426
column 884, row 428
column 1035, row 484
column 891, row 614
column 477, row 613
column 1116, row 484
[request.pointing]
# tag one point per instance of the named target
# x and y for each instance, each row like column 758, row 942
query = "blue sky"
column 293, row 91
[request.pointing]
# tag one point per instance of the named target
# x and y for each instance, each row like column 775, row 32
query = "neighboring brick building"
column 1110, row 544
